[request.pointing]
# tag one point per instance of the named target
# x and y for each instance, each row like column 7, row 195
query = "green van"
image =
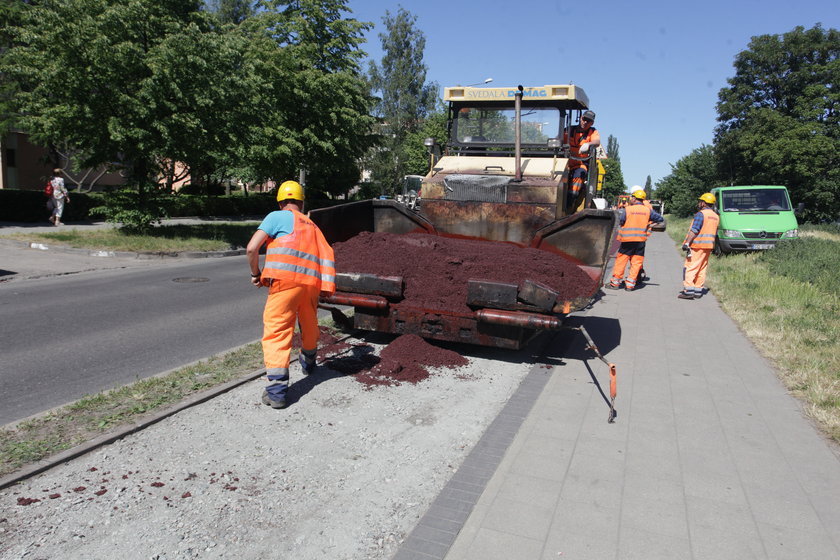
column 753, row 218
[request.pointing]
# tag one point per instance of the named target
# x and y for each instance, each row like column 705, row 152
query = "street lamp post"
column 487, row 81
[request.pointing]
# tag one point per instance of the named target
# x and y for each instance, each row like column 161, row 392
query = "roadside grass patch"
column 787, row 301
column 175, row 238
column 35, row 439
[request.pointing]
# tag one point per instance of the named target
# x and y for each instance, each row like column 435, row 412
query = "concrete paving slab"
column 710, row 457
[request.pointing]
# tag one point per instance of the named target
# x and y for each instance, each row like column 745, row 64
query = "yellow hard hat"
column 639, row 194
column 708, row 198
column 290, row 190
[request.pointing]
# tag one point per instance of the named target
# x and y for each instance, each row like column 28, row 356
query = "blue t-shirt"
column 278, row 223
column 697, row 224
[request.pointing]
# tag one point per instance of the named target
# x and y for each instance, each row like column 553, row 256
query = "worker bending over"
column 633, row 221
column 698, row 245
column 299, row 267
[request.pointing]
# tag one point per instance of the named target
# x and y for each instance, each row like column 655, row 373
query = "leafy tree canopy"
column 613, row 176
column 690, row 177
column 779, row 118
column 404, row 97
column 312, row 99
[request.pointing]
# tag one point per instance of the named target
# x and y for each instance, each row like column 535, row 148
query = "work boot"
column 307, row 362
column 612, row 286
column 273, row 403
column 685, row 295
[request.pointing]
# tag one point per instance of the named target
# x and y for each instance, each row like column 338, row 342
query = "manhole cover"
column 188, row 279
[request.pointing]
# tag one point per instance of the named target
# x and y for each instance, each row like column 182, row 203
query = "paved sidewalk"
column 709, row 457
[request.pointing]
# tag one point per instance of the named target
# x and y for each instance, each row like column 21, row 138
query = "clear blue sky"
column 652, row 70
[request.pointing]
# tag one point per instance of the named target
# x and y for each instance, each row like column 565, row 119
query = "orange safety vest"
column 636, row 220
column 302, row 257
column 649, row 229
column 706, row 238
column 579, row 137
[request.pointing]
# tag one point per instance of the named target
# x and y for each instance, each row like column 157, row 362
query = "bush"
column 30, row 205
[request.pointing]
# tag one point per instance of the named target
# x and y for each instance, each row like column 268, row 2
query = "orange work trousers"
column 287, row 304
column 694, row 271
column 634, row 252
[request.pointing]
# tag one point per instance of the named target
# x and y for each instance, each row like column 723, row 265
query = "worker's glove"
column 685, row 247
column 584, row 147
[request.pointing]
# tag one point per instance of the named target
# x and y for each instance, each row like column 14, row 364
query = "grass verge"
column 787, row 301
column 35, row 439
column 162, row 239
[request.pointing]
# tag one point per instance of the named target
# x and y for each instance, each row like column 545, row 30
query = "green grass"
column 787, row 301
column 90, row 417
column 162, row 239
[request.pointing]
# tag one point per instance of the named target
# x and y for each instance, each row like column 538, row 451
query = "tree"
column 648, row 187
column 11, row 13
column 232, row 11
column 417, row 154
column 690, row 177
column 779, row 117
column 404, row 96
column 312, row 100
column 139, row 83
column 613, row 176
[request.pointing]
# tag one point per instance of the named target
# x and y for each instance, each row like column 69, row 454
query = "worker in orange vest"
column 698, row 245
column 642, row 274
column 583, row 138
column 633, row 221
column 299, row 268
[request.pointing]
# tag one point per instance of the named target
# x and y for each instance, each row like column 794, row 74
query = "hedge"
column 30, row 206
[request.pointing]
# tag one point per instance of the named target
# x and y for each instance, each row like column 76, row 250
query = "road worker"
column 633, row 221
column 299, row 267
column 698, row 245
column 642, row 274
column 583, row 138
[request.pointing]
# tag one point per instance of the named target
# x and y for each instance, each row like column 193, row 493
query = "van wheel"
column 717, row 251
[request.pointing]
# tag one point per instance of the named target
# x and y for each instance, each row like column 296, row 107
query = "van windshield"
column 754, row 200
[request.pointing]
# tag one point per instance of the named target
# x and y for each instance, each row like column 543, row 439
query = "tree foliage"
column 404, row 97
column 779, row 117
column 313, row 101
column 690, row 177
column 232, row 11
column 417, row 155
column 144, row 83
column 613, row 176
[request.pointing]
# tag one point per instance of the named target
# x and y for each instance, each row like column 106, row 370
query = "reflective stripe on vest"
column 302, row 257
column 635, row 223
column 706, row 238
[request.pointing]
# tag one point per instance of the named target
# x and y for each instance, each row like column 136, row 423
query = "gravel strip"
column 344, row 473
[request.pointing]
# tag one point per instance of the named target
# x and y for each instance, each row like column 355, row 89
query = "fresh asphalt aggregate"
column 709, row 456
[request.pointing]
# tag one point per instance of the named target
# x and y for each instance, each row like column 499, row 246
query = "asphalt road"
column 65, row 337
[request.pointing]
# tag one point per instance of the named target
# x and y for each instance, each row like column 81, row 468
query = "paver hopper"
column 503, row 177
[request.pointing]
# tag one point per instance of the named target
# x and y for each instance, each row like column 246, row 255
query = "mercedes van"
column 753, row 218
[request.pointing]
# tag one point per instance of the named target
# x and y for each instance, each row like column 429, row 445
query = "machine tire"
column 718, row 250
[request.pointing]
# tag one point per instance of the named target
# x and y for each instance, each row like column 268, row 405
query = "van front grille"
column 762, row 235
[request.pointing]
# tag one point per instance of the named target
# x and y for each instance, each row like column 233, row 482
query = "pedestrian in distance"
column 299, row 267
column 58, row 197
column 633, row 222
column 698, row 245
column 583, row 137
